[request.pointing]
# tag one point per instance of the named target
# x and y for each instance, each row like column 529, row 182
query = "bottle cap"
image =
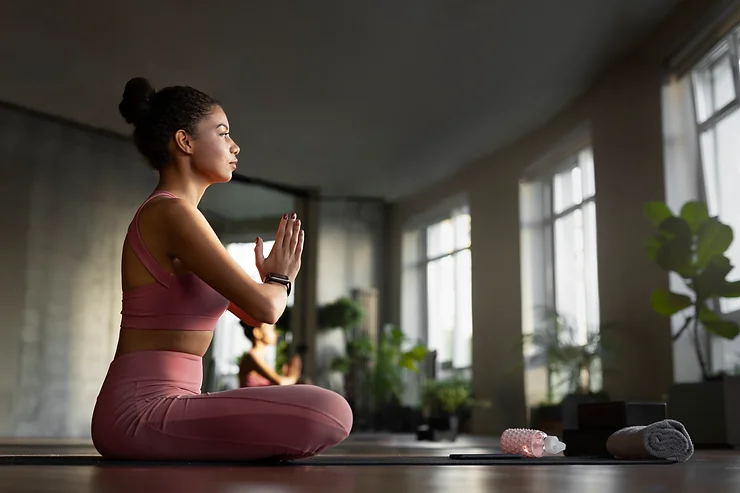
column 553, row 446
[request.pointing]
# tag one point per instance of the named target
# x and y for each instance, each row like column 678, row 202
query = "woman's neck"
column 258, row 348
column 185, row 187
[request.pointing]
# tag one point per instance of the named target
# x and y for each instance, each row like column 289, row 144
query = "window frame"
column 565, row 158
column 549, row 216
column 731, row 43
column 419, row 225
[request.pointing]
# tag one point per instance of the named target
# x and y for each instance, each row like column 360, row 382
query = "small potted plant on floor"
column 692, row 246
column 571, row 359
column 444, row 404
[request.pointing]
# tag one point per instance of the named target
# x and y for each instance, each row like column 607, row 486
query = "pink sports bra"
column 179, row 302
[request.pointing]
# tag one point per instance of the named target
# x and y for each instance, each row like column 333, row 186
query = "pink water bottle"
column 530, row 443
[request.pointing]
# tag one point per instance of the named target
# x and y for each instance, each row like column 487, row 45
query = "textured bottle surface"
column 523, row 441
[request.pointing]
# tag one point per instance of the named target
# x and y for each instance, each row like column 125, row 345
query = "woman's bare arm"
column 191, row 239
column 242, row 315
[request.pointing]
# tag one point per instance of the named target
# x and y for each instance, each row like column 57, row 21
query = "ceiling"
column 373, row 97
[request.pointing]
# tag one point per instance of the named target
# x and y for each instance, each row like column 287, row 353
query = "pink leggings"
column 150, row 408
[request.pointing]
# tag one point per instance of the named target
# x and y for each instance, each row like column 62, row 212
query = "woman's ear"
column 183, row 142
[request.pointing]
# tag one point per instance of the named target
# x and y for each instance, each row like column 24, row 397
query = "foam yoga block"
column 616, row 415
column 666, row 439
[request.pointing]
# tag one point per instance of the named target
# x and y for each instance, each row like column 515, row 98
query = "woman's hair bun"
column 137, row 96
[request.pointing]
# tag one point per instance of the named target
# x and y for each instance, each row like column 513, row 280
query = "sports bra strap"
column 162, row 276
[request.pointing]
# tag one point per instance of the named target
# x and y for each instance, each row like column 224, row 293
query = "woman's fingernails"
column 294, row 215
column 285, row 216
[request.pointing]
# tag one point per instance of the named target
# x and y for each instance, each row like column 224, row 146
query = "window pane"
column 702, row 94
column 567, row 189
column 462, row 231
column 441, row 306
column 722, row 84
column 464, row 310
column 586, row 162
column 713, row 83
column 721, row 158
column 570, row 271
column 440, row 238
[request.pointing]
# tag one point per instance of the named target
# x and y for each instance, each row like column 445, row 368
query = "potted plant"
column 443, row 403
column 571, row 362
column 344, row 313
column 692, row 246
column 336, row 323
column 375, row 374
column 386, row 378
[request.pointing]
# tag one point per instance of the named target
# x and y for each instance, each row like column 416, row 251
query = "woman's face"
column 213, row 152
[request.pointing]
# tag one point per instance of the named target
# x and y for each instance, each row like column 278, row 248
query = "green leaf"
column 714, row 238
column 711, row 282
column 657, row 212
column 730, row 290
column 418, row 352
column 409, row 358
column 695, row 213
column 714, row 324
column 667, row 303
column 675, row 252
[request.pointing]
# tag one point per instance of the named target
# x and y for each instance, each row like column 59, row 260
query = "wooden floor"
column 706, row 471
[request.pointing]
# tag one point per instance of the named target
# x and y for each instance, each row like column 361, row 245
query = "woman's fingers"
column 299, row 245
column 289, row 231
column 281, row 230
column 296, row 235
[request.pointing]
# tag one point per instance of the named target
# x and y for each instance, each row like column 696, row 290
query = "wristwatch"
column 279, row 279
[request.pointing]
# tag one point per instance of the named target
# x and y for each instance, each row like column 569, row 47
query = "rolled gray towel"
column 666, row 439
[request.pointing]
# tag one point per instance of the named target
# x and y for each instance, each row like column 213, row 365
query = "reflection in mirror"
column 238, row 213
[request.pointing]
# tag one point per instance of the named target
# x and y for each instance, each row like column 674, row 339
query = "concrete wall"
column 351, row 254
column 623, row 109
column 66, row 197
column 351, row 247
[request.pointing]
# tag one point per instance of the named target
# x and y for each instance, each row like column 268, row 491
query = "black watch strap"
column 279, row 279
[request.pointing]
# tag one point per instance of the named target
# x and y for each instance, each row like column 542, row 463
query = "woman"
column 178, row 279
column 254, row 370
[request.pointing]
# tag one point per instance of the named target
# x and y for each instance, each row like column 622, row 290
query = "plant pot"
column 439, row 428
column 708, row 410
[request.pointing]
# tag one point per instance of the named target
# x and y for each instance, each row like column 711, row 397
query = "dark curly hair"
column 158, row 115
column 248, row 330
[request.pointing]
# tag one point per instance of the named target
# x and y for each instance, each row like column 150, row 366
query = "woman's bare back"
column 134, row 275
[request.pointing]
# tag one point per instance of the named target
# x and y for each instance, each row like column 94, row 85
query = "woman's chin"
column 225, row 178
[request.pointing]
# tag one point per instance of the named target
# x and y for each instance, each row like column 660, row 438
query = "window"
column 574, row 245
column 437, row 288
column 559, row 263
column 715, row 82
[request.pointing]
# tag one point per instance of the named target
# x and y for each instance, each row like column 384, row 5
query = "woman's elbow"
column 270, row 312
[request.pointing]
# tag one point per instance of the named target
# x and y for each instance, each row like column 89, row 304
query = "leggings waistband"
column 150, row 366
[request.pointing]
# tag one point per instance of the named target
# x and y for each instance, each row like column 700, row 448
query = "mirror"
column 238, row 213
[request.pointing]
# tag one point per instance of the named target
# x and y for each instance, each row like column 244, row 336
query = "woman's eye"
column 225, row 134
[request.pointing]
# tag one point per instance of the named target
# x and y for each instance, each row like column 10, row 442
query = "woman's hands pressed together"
column 285, row 256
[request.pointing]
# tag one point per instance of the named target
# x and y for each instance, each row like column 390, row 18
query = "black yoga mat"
column 328, row 460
